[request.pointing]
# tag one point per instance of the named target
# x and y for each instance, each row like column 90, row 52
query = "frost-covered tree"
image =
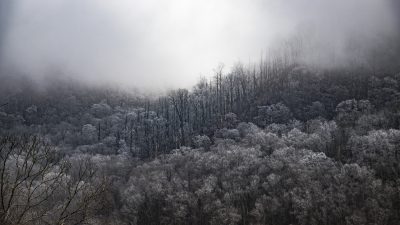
column 277, row 113
column 36, row 187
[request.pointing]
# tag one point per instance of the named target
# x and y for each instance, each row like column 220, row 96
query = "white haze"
column 170, row 43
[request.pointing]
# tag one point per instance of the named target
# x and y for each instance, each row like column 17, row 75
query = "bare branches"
column 34, row 184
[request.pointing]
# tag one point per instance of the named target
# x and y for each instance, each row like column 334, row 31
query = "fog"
column 170, row 43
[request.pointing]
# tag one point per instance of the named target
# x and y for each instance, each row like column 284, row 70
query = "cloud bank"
column 169, row 43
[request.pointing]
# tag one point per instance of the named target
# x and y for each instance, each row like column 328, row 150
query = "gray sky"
column 170, row 43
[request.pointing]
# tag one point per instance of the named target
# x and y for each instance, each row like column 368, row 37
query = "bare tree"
column 35, row 184
column 179, row 100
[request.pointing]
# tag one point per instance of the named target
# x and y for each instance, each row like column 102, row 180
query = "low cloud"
column 170, row 43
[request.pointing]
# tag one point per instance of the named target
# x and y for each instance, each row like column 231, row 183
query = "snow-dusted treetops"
column 278, row 143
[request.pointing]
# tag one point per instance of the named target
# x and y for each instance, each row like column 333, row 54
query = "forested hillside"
column 279, row 142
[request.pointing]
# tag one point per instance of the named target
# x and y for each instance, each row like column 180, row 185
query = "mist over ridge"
column 189, row 112
column 167, row 44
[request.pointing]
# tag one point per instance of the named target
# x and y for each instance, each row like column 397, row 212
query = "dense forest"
column 279, row 142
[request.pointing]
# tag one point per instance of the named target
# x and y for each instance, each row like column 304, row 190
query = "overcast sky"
column 169, row 43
